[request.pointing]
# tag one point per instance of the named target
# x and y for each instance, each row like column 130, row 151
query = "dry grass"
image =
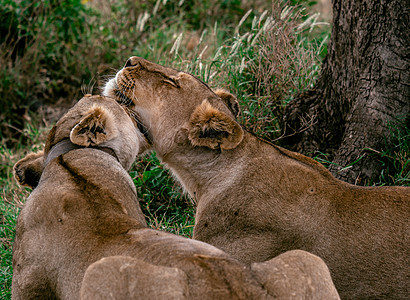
column 265, row 64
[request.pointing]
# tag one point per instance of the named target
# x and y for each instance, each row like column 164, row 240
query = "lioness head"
column 154, row 92
column 94, row 121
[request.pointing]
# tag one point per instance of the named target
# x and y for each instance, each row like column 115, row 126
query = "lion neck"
column 89, row 171
column 199, row 168
column 64, row 146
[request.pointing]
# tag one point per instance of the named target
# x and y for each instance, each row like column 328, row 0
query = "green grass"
column 394, row 158
column 161, row 198
column 12, row 198
column 8, row 217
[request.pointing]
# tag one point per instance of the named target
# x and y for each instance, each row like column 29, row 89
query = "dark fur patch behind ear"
column 230, row 101
column 214, row 129
column 212, row 133
column 28, row 170
column 32, row 177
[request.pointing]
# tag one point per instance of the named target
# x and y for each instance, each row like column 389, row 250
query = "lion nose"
column 131, row 62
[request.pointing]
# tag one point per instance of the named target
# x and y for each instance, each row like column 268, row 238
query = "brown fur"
column 206, row 123
column 256, row 200
column 82, row 228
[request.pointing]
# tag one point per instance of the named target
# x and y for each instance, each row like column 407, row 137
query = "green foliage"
column 39, row 56
column 161, row 199
column 8, row 217
column 11, row 199
column 394, row 159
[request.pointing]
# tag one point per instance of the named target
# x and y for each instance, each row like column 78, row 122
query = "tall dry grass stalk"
column 265, row 65
column 285, row 62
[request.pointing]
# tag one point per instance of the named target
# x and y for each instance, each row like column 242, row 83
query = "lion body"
column 361, row 233
column 256, row 200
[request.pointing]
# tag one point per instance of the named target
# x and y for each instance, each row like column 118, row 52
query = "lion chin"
column 82, row 235
column 256, row 200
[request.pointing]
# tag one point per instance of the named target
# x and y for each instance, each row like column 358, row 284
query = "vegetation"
column 53, row 51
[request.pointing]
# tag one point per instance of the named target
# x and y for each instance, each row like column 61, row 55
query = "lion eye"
column 171, row 81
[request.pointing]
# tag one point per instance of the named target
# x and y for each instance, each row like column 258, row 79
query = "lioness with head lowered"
column 81, row 233
column 256, row 200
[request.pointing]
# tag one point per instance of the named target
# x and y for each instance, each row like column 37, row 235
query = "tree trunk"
column 362, row 87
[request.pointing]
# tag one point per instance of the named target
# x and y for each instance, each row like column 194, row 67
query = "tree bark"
column 364, row 85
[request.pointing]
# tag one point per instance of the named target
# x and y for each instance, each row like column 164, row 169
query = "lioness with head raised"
column 82, row 228
column 256, row 200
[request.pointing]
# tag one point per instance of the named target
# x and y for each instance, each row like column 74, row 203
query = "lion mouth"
column 112, row 89
column 122, row 99
column 126, row 102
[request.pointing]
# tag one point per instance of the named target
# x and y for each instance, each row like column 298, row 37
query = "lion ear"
column 28, row 170
column 96, row 127
column 214, row 129
column 230, row 101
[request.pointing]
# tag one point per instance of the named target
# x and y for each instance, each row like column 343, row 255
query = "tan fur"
column 82, row 229
column 294, row 264
column 209, row 127
column 124, row 277
column 257, row 200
